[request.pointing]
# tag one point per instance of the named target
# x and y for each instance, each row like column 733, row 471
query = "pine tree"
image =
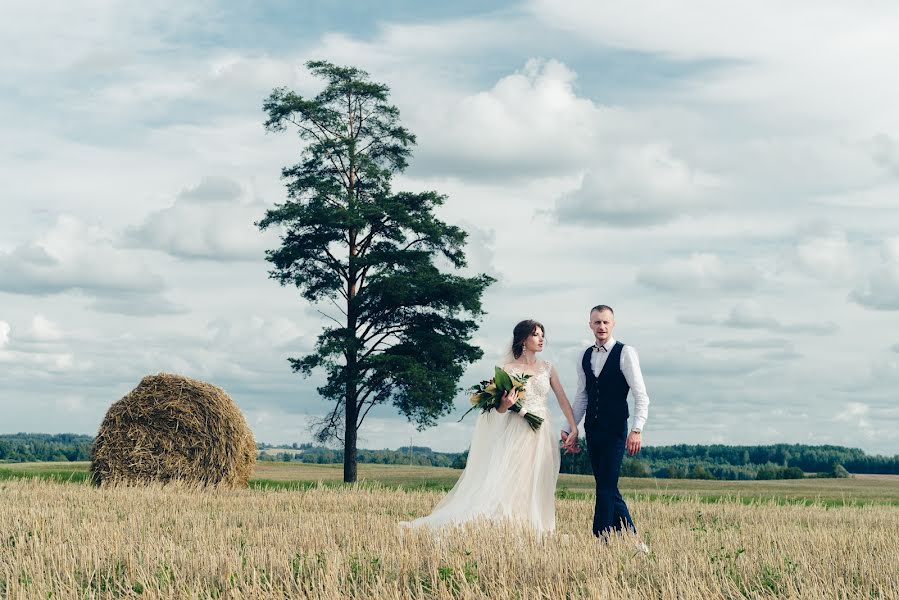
column 402, row 326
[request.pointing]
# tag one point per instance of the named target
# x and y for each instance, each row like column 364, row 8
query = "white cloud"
column 855, row 413
column 723, row 145
column 691, row 363
column 70, row 403
column 722, row 31
column 637, row 186
column 480, row 248
column 752, row 314
column 885, row 152
column 257, row 333
column 531, row 122
column 752, row 344
column 91, row 35
column 885, row 370
column 36, row 365
column 137, row 305
column 43, row 329
column 74, row 256
column 700, row 271
column 395, row 41
column 880, row 289
column 38, row 352
column 826, row 255
column 814, row 59
column 208, row 221
column 410, row 50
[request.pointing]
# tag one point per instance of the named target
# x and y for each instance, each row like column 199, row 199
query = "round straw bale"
column 174, row 428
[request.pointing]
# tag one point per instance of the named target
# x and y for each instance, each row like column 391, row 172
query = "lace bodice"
column 537, row 386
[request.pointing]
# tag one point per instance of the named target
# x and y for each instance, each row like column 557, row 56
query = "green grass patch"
column 829, row 493
column 60, row 475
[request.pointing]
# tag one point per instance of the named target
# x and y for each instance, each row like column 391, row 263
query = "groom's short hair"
column 602, row 307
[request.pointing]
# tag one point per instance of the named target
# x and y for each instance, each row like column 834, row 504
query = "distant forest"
column 718, row 461
column 681, row 461
column 28, row 447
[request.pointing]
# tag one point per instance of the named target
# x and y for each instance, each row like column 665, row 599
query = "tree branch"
column 323, row 130
column 329, row 426
column 340, row 308
column 413, row 242
column 372, row 232
column 365, row 414
column 364, row 396
column 327, row 316
column 383, row 332
column 362, row 275
column 374, row 347
column 359, row 105
column 337, row 265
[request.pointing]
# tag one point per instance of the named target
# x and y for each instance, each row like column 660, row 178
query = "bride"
column 512, row 470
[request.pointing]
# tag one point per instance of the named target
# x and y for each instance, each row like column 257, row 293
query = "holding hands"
column 570, row 446
column 569, row 441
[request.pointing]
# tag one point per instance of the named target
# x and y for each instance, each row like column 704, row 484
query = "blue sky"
column 735, row 201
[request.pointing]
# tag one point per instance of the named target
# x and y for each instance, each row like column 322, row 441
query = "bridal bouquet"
column 488, row 394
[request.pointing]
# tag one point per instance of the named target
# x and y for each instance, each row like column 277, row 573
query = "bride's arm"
column 564, row 404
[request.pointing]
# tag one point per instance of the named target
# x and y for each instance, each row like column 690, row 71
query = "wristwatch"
column 636, row 430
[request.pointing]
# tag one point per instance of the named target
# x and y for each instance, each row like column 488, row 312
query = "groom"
column 606, row 372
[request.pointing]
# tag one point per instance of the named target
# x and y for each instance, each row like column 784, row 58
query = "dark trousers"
column 605, row 444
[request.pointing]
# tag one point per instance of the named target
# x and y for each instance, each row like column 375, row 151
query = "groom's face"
column 602, row 323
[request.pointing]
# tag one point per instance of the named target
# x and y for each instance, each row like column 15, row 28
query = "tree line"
column 416, row 455
column 719, row 461
column 40, row 447
column 680, row 461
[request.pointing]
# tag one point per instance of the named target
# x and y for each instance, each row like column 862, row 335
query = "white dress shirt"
column 630, row 367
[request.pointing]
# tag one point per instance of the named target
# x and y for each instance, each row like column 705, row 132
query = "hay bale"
column 174, row 428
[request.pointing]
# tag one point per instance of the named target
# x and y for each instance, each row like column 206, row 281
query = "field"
column 298, row 532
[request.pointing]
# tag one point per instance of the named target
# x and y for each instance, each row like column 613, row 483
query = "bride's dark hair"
column 523, row 331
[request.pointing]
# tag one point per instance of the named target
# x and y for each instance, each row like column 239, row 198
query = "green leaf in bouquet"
column 503, row 381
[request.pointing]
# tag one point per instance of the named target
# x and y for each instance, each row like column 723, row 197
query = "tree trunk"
column 352, row 387
column 349, row 438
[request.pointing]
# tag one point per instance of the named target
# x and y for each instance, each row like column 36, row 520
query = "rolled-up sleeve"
column 630, row 366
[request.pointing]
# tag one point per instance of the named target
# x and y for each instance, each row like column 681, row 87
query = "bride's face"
column 534, row 342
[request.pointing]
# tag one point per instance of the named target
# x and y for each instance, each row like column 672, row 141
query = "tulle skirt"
column 510, row 475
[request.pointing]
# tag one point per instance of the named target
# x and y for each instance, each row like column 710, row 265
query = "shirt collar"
column 610, row 343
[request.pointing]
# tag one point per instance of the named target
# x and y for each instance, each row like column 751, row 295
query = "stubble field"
column 288, row 537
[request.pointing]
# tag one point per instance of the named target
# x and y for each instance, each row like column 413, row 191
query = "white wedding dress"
column 511, row 471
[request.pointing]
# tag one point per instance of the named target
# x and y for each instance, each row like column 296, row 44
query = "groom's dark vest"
column 606, row 394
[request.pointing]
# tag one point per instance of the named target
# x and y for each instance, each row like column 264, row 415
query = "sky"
column 725, row 175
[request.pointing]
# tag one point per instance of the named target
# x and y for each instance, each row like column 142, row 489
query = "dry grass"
column 76, row 541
